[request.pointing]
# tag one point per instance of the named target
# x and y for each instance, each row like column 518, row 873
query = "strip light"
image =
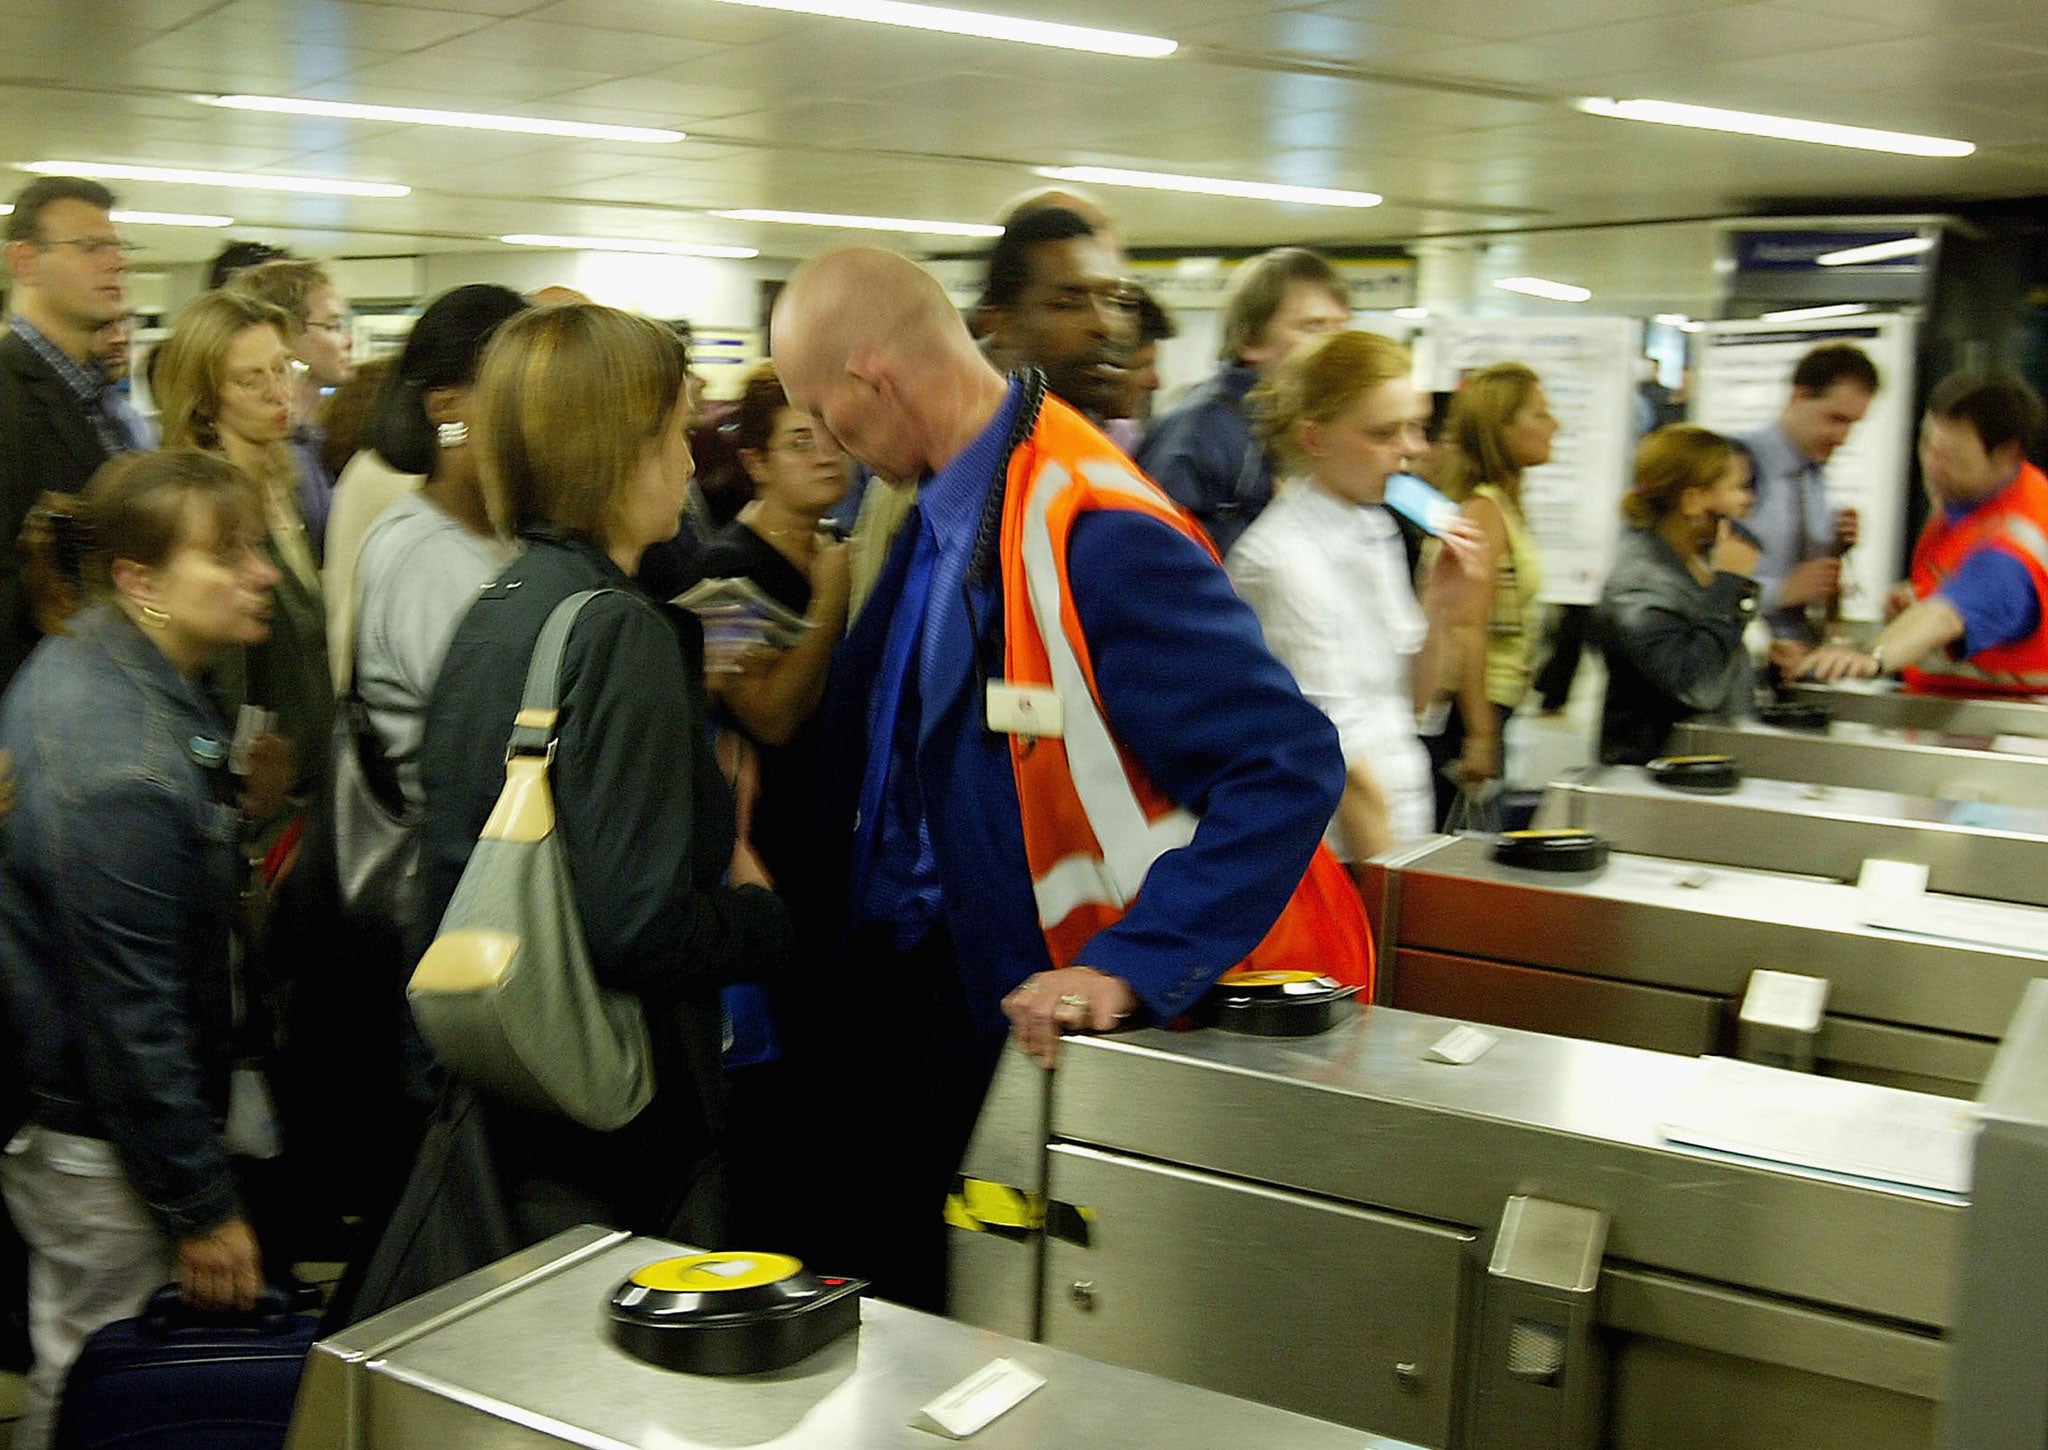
column 864, row 223
column 459, row 120
column 1783, row 128
column 629, row 244
column 1877, row 252
column 974, row 22
column 1211, row 186
column 178, row 175
column 153, row 218
column 1808, row 314
column 1545, row 288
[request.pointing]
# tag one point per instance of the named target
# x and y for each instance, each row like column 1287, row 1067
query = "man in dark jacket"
column 69, row 270
column 1202, row 450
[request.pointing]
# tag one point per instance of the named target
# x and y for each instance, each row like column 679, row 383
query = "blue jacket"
column 1202, row 452
column 1190, row 690
column 119, row 876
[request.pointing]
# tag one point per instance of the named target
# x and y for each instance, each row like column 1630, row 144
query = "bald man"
column 1052, row 699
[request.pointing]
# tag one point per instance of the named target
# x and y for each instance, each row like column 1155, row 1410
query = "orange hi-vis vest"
column 1093, row 823
column 2015, row 522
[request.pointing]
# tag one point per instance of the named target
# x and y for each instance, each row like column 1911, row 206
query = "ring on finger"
column 1074, row 999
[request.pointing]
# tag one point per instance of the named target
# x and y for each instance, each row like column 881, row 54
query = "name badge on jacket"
column 1032, row 710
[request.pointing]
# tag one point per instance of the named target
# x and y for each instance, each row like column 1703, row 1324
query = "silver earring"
column 452, row 435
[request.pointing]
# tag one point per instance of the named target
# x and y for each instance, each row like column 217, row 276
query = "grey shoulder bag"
column 505, row 995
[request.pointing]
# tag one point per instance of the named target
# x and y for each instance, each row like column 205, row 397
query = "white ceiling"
column 1456, row 110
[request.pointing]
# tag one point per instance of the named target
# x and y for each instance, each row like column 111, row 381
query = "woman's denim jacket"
column 119, row 872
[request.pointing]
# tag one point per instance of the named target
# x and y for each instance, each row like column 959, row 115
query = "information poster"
column 1573, row 502
column 1740, row 383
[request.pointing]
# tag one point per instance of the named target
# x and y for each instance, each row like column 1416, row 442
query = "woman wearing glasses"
column 225, row 386
column 778, row 543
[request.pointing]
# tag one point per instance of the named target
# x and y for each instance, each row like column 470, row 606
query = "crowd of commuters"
column 836, row 871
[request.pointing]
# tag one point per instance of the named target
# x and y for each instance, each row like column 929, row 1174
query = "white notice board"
column 1740, row 383
column 1573, row 502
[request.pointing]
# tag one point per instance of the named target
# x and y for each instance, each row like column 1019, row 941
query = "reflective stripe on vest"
column 1130, row 841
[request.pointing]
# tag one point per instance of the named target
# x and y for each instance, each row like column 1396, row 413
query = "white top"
column 367, row 487
column 417, row 576
column 1329, row 582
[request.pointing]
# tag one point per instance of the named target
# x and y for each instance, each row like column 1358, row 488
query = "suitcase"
column 178, row 1378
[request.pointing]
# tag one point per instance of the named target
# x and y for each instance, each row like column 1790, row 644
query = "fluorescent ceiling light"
column 170, row 219
column 1413, row 314
column 864, row 223
column 1805, row 314
column 1783, row 128
column 1671, row 319
column 460, row 120
column 1877, row 252
column 629, row 244
column 153, row 218
column 1210, row 186
column 248, row 180
column 973, row 22
column 1544, row 287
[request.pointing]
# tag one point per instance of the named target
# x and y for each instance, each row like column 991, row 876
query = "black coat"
column 647, row 822
column 47, row 444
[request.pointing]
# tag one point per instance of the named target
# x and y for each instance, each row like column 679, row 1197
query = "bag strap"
column 534, row 728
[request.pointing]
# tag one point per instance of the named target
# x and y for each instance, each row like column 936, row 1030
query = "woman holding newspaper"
column 772, row 592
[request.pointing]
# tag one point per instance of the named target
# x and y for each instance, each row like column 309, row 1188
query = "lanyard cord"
column 981, row 564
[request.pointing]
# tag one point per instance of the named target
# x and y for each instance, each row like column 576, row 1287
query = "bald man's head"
column 868, row 343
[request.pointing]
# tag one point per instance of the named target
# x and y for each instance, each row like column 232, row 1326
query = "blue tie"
column 906, row 626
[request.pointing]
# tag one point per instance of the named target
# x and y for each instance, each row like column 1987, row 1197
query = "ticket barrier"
column 1659, row 953
column 1971, row 848
column 1882, row 702
column 2009, row 769
column 516, row 1357
column 1516, row 1251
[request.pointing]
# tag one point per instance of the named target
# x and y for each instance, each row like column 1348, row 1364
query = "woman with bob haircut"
column 580, row 419
column 1324, row 569
column 1499, row 424
column 120, row 877
column 224, row 385
column 1671, row 617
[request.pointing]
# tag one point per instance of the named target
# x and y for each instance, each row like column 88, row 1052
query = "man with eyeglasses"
column 69, row 270
column 321, row 343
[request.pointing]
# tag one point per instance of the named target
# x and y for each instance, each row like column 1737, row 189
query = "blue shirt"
column 899, row 882
column 1992, row 591
column 1791, row 518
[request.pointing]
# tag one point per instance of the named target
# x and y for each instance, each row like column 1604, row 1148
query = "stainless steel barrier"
column 1509, row 1253
column 1882, row 702
column 1970, row 848
column 1657, row 953
column 2009, row 769
column 517, row 1357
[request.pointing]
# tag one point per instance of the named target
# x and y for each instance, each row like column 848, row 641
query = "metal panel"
column 1316, row 1307
column 1569, row 1005
column 534, row 1368
column 1997, row 851
column 1357, row 1115
column 1769, row 1331
column 993, row 1278
column 1866, row 756
column 1668, row 1395
column 1884, row 703
column 1704, row 929
column 1998, row 1387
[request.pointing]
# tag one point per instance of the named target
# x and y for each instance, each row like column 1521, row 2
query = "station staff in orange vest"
column 1075, row 785
column 1973, row 619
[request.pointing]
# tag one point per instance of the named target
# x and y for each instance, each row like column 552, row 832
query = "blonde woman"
column 1324, row 569
column 1499, row 425
column 224, row 385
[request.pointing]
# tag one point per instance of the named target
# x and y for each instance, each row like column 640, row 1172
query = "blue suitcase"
column 176, row 1378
